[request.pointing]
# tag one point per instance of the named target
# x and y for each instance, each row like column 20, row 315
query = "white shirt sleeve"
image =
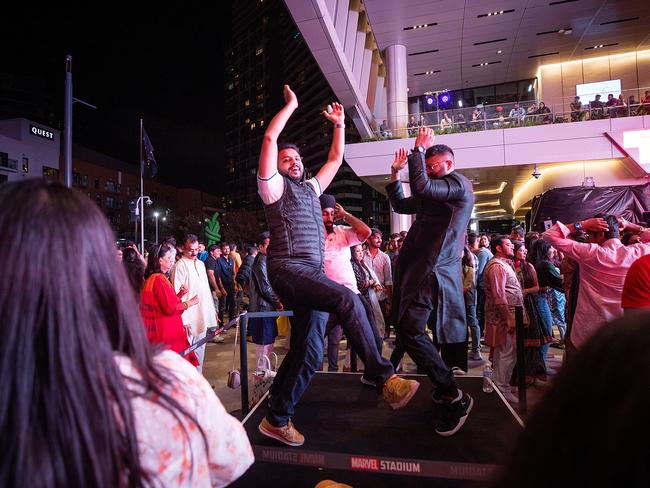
column 315, row 184
column 351, row 236
column 271, row 189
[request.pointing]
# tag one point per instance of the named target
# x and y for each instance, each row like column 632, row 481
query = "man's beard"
column 329, row 227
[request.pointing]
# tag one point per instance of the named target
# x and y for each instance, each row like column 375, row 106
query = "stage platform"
column 354, row 437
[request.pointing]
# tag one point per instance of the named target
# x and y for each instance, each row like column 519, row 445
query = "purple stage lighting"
column 445, row 100
column 429, row 100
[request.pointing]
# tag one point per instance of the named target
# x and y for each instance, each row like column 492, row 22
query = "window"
column 5, row 162
column 96, row 183
column 98, row 199
column 259, row 51
column 247, row 103
column 110, row 202
column 76, row 178
column 25, row 164
column 50, row 173
column 110, row 185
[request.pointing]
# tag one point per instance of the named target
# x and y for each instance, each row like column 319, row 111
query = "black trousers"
column 411, row 334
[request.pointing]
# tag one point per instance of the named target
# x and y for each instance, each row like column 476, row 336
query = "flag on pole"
column 148, row 165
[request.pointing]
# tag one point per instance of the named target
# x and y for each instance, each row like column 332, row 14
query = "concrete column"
column 400, row 222
column 397, row 93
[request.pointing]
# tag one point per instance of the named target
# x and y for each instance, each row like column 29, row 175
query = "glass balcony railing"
column 515, row 114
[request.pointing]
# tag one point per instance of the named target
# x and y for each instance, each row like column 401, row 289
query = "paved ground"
column 219, row 360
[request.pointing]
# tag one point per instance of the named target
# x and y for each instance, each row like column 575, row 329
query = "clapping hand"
column 401, row 158
column 426, row 137
column 336, row 116
column 290, row 97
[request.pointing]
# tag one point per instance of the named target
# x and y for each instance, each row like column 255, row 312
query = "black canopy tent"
column 575, row 203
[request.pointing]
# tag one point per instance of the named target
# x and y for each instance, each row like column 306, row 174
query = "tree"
column 240, row 226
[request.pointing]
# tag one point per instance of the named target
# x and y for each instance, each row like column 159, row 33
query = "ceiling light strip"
column 557, row 31
column 420, row 26
column 490, row 42
column 600, row 46
column 424, row 52
column 619, row 21
column 545, row 54
column 498, row 12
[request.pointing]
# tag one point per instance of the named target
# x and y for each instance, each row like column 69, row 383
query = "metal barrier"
column 242, row 321
column 243, row 350
column 521, row 363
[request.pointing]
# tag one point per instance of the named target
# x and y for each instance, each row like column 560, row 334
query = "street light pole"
column 155, row 214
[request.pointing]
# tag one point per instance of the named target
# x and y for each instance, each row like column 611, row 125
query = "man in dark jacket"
column 262, row 299
column 244, row 272
column 428, row 277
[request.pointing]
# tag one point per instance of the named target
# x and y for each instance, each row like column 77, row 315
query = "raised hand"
column 339, row 211
column 290, row 97
column 336, row 116
column 425, row 138
column 595, row 225
column 401, row 158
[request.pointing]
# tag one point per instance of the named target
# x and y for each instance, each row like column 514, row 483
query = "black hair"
column 497, row 241
column 264, row 236
column 472, row 237
column 156, row 252
column 597, row 406
column 539, row 252
column 525, row 270
column 66, row 412
column 288, row 145
column 374, row 231
column 438, row 149
column 134, row 269
column 213, row 247
column 468, row 257
column 519, row 230
column 612, row 222
column 625, row 239
column 191, row 238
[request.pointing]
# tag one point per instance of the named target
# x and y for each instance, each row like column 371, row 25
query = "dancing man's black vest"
column 296, row 225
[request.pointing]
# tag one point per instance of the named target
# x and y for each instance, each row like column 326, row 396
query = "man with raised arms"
column 295, row 266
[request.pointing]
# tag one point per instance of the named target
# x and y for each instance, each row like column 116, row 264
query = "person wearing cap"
column 338, row 241
column 295, row 265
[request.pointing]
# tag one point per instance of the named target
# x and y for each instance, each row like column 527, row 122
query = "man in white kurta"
column 190, row 271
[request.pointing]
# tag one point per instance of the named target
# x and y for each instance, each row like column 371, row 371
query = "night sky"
column 164, row 65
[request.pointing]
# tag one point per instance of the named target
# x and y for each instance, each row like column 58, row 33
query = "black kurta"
column 435, row 241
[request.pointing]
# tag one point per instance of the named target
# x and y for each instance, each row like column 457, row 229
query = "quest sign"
column 40, row 132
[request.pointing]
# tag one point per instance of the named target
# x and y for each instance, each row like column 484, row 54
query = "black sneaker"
column 453, row 415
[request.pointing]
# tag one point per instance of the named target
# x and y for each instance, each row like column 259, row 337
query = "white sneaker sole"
column 461, row 422
column 368, row 382
column 267, row 433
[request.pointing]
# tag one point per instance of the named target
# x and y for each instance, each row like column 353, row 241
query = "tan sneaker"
column 287, row 434
column 398, row 391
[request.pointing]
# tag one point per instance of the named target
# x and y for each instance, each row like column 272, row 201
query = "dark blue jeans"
column 312, row 295
column 228, row 302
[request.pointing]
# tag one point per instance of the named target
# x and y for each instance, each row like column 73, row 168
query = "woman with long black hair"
column 84, row 399
column 535, row 334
